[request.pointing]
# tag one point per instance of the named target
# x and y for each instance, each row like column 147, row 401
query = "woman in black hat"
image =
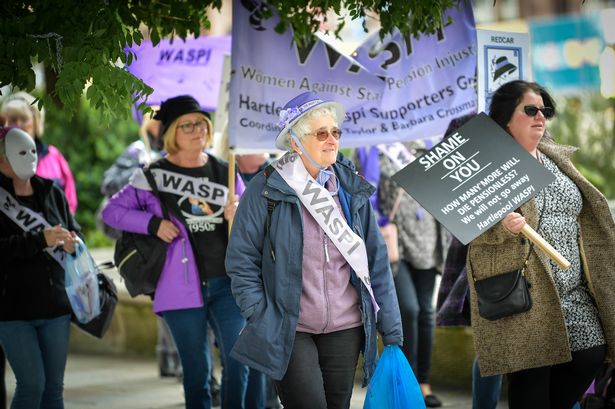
column 193, row 290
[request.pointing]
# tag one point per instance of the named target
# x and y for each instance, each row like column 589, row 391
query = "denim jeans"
column 189, row 329
column 255, row 392
column 37, row 351
column 485, row 389
column 415, row 290
column 321, row 370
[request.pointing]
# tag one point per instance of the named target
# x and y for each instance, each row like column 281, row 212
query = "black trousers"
column 321, row 370
column 558, row 386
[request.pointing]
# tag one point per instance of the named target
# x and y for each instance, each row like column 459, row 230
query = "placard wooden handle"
column 544, row 246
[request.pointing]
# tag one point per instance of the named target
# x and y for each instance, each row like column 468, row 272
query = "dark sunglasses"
column 532, row 110
column 323, row 134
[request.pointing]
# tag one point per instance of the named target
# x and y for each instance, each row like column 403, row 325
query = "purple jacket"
column 179, row 286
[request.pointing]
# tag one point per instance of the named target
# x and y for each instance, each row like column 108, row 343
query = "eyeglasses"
column 189, row 127
column 323, row 134
column 532, row 110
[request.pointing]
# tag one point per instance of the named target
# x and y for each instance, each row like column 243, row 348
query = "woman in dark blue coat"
column 309, row 267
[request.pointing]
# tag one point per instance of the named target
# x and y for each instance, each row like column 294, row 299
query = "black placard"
column 472, row 179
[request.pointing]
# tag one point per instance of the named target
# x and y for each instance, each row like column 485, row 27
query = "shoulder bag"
column 107, row 293
column 140, row 257
column 504, row 294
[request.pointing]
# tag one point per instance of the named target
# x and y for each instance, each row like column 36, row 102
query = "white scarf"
column 321, row 205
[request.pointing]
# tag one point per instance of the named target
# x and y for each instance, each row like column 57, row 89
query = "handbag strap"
column 152, row 183
column 527, row 258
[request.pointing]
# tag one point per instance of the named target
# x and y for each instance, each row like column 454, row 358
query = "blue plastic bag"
column 393, row 385
column 81, row 284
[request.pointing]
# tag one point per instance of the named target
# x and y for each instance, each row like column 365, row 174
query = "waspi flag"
column 428, row 81
column 269, row 69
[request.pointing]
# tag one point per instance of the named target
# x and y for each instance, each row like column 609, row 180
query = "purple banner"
column 192, row 67
column 401, row 102
column 430, row 80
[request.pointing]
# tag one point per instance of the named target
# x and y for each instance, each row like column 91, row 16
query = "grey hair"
column 302, row 128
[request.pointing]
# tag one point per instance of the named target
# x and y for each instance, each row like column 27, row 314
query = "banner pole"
column 231, row 181
column 541, row 243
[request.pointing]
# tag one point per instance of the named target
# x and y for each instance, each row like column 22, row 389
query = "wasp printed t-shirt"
column 205, row 221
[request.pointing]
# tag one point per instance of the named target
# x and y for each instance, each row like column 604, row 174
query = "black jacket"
column 31, row 281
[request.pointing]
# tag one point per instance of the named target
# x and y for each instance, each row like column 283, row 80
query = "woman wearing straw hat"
column 308, row 265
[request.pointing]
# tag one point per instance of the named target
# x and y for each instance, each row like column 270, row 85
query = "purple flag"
column 191, row 67
column 426, row 83
column 430, row 80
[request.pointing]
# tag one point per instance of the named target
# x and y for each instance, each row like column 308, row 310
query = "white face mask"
column 21, row 153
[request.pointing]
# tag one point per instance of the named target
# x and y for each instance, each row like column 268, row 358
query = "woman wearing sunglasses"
column 193, row 291
column 309, row 267
column 551, row 352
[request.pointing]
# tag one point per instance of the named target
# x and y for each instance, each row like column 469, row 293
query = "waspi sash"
column 28, row 220
column 321, row 205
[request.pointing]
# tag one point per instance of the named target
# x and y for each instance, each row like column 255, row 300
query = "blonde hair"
column 147, row 120
column 170, row 141
column 23, row 103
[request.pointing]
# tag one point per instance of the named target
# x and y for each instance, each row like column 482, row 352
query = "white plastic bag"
column 81, row 284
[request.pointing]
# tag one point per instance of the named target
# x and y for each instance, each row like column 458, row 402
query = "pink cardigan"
column 53, row 166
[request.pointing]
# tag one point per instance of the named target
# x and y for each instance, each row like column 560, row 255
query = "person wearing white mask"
column 36, row 231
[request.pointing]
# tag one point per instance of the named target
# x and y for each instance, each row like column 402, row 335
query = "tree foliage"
column 80, row 43
column 90, row 148
column 588, row 122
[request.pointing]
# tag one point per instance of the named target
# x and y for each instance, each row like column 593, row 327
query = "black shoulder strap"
column 270, row 206
column 152, row 183
column 268, row 171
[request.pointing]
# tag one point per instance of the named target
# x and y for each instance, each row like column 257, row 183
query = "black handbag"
column 139, row 258
column 504, row 294
column 108, row 300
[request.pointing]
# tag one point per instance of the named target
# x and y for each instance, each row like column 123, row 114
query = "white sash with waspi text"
column 183, row 185
column 397, row 153
column 321, row 205
column 28, row 220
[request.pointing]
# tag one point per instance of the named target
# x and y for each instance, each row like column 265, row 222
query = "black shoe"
column 431, row 401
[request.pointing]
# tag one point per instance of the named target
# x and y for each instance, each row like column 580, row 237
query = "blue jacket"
column 268, row 292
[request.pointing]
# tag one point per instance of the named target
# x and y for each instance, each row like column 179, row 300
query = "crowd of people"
column 291, row 278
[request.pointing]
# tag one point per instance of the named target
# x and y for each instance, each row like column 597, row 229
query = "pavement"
column 129, row 383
